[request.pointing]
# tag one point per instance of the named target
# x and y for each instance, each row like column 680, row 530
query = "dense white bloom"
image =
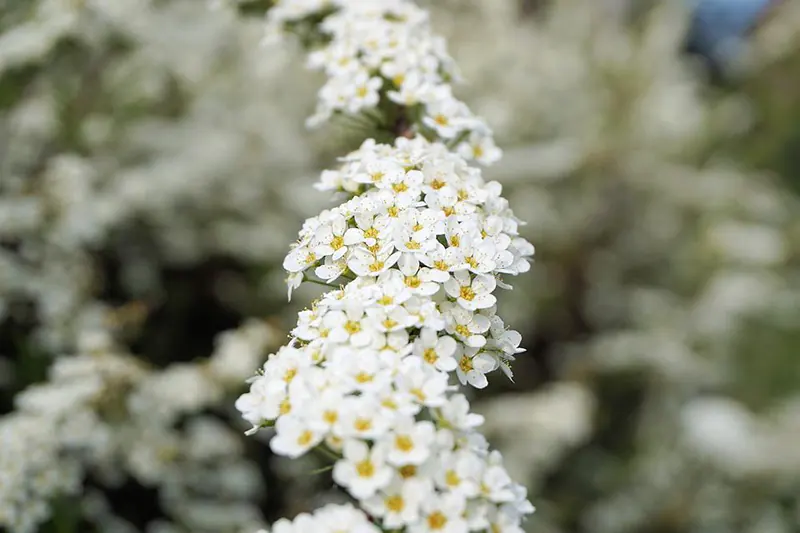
column 366, row 375
column 416, row 250
column 328, row 519
column 362, row 470
column 386, row 46
column 108, row 412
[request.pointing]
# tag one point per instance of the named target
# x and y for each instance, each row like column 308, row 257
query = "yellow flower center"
column 463, row 194
column 441, row 265
column 441, row 120
column 471, row 261
column 289, row 375
column 467, row 293
column 311, row 257
column 362, row 424
column 365, row 468
column 393, row 211
column 455, row 240
column 395, row 503
column 377, row 266
column 436, row 520
column 386, row 300
column 452, row 478
column 330, row 417
column 285, row 407
column 371, row 233
column 437, row 184
column 376, row 176
column 413, row 282
column 337, row 242
column 465, row 364
column 389, row 323
column 418, row 394
column 407, row 471
column 449, row 211
column 389, row 404
column 362, row 91
column 363, row 377
column 351, row 327
column 463, row 330
column 400, row 187
column 305, row 438
column 403, row 443
column 413, row 245
column 430, row 355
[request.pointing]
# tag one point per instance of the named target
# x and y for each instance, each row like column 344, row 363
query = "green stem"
column 320, row 470
column 320, row 282
column 327, row 453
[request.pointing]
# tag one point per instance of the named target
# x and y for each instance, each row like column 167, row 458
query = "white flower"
column 361, row 417
column 294, row 437
column 480, row 147
column 466, row 326
column 363, row 91
column 471, row 293
column 378, row 171
column 347, row 325
column 410, row 442
column 460, row 472
column 442, row 513
column 413, row 90
column 501, row 521
column 473, row 367
column 446, row 116
column 329, row 239
column 479, row 256
column 441, row 261
column 398, row 504
column 436, row 351
column 337, row 518
column 365, row 263
column 300, row 259
column 425, row 384
column 328, row 271
column 418, row 280
column 456, row 413
column 263, row 401
column 363, row 471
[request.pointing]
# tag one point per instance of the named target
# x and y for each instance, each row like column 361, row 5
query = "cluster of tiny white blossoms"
column 423, row 242
column 414, row 254
column 382, row 56
column 107, row 413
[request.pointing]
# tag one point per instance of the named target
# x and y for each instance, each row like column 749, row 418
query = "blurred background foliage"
column 154, row 169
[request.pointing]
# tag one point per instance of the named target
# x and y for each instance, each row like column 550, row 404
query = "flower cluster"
column 423, row 242
column 108, row 413
column 31, row 472
column 428, row 240
column 383, row 55
column 328, row 519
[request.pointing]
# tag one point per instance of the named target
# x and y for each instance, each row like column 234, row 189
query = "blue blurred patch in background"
column 719, row 29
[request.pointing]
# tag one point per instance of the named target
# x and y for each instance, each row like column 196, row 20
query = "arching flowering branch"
column 417, row 250
column 382, row 60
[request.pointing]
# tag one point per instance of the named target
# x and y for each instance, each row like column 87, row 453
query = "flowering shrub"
column 419, row 247
column 106, row 412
